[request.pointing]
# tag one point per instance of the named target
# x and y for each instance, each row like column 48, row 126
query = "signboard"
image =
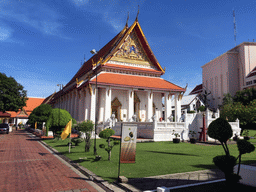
column 128, row 144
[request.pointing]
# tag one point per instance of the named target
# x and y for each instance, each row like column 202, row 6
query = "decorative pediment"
column 116, row 103
column 131, row 51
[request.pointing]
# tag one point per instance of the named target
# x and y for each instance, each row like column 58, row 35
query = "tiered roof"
column 110, row 58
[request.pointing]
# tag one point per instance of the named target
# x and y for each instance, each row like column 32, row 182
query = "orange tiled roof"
column 111, row 47
column 13, row 113
column 32, row 103
column 134, row 81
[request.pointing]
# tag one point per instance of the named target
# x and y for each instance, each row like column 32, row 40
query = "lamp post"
column 94, row 52
column 59, row 85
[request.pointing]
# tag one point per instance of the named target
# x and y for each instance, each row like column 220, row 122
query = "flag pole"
column 70, row 137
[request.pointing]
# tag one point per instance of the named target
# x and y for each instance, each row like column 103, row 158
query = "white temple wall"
column 157, row 100
column 143, row 105
column 101, row 104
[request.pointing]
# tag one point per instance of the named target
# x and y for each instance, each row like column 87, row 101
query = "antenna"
column 234, row 26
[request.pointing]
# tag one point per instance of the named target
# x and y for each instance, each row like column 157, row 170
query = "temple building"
column 125, row 77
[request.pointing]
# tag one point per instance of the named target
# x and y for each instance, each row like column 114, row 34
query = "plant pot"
column 235, row 138
column 246, row 138
column 193, row 140
column 176, row 140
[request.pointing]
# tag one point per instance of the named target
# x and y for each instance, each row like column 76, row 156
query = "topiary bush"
column 106, row 134
column 86, row 127
column 57, row 121
column 221, row 130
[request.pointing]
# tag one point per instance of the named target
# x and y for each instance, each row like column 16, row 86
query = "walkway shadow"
column 172, row 153
column 80, row 178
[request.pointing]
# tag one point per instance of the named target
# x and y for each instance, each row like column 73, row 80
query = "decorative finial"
column 127, row 20
column 138, row 13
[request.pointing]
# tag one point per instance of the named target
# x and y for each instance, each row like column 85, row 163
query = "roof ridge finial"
column 138, row 13
column 127, row 20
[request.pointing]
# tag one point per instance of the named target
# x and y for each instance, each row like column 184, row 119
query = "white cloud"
column 80, row 2
column 36, row 15
column 5, row 33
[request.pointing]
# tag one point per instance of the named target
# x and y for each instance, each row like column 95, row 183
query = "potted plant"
column 235, row 138
column 193, row 138
column 176, row 139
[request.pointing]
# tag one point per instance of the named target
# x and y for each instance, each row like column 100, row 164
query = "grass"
column 252, row 133
column 155, row 158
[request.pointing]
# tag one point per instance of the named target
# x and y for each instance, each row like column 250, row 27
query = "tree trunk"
column 109, row 153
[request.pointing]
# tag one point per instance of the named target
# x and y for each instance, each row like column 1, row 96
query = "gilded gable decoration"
column 131, row 51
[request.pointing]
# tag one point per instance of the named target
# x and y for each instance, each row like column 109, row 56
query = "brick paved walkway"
column 25, row 165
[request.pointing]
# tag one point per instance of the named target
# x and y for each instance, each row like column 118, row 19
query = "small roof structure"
column 186, row 100
column 198, row 89
column 252, row 73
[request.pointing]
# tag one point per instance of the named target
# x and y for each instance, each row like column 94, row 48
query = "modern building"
column 230, row 72
column 125, row 76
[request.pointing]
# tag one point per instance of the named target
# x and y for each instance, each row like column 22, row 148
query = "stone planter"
column 176, row 140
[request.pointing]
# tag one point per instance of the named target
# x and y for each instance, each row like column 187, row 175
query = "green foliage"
column 57, row 120
column 191, row 112
column 106, row 133
column 12, row 95
column 245, row 96
column 245, row 114
column 86, row 127
column 225, row 163
column 245, row 147
column 227, row 99
column 201, row 108
column 220, row 129
column 40, row 114
column 73, row 122
column 77, row 141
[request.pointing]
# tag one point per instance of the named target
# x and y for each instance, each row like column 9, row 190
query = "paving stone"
column 28, row 166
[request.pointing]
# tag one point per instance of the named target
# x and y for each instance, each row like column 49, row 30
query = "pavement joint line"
column 89, row 178
column 23, row 160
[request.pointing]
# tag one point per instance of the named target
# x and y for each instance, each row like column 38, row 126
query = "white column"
column 107, row 107
column 92, row 106
column 87, row 103
column 177, row 108
column 168, row 105
column 130, row 93
column 150, row 106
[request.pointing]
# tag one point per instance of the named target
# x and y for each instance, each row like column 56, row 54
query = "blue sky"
column 43, row 42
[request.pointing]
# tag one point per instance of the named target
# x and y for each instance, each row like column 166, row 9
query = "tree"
column 245, row 96
column 12, row 95
column 221, row 130
column 86, row 127
column 227, row 99
column 57, row 121
column 106, row 134
column 40, row 114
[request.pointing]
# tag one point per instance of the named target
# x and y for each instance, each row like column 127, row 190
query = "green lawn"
column 155, row 158
column 252, row 133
